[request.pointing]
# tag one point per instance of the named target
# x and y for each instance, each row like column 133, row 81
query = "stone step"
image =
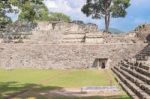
column 72, row 40
column 125, row 64
column 138, row 69
column 145, row 53
column 141, row 58
column 137, row 81
column 145, row 67
column 143, row 71
column 146, row 50
column 138, row 75
column 127, row 90
column 140, row 93
column 140, row 66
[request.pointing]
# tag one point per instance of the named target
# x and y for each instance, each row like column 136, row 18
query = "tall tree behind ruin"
column 31, row 10
column 106, row 9
column 5, row 8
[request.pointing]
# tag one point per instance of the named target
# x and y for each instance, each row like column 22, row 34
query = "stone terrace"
column 64, row 55
column 134, row 77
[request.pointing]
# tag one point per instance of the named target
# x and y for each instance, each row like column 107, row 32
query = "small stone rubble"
column 98, row 89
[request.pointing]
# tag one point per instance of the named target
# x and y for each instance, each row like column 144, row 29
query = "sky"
column 138, row 13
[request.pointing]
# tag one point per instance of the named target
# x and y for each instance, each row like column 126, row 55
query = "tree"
column 5, row 8
column 32, row 10
column 55, row 16
column 106, row 9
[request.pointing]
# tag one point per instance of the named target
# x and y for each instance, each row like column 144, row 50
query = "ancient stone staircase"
column 43, row 36
column 73, row 37
column 144, row 54
column 134, row 78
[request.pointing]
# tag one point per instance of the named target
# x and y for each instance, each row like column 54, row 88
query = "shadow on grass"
column 14, row 90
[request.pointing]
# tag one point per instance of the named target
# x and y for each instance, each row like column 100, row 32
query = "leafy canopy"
column 28, row 10
column 98, row 8
column 32, row 10
column 105, row 9
column 5, row 8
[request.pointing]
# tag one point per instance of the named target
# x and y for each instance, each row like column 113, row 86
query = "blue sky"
column 138, row 13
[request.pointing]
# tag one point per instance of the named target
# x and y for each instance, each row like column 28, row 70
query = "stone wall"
column 63, row 55
column 54, row 45
column 143, row 32
column 67, row 27
column 62, row 32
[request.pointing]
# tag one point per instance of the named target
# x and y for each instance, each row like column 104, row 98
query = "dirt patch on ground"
column 70, row 93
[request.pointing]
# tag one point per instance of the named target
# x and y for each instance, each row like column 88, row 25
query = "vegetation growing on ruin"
column 55, row 16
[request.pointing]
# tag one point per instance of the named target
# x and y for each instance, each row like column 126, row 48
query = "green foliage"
column 4, row 20
column 54, row 16
column 32, row 10
column 27, row 12
column 43, row 14
column 106, row 9
column 119, row 7
column 6, row 7
column 98, row 8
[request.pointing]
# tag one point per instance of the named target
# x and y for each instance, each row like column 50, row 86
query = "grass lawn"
column 41, row 80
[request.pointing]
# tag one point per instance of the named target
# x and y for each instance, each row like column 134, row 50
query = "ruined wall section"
column 60, row 32
column 63, row 32
column 68, row 27
column 143, row 32
column 63, row 56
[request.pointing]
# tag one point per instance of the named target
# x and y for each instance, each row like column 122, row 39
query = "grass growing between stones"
column 13, row 81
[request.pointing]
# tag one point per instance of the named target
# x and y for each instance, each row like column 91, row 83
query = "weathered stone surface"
column 68, row 45
column 63, row 55
column 62, row 32
column 99, row 89
column 143, row 32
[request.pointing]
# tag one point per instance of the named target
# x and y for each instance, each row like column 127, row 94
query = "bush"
column 54, row 16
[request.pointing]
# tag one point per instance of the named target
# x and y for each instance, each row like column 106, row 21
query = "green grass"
column 61, row 78
column 19, row 79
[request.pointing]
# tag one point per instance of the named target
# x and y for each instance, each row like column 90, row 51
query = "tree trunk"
column 107, row 21
column 107, row 15
column 106, row 30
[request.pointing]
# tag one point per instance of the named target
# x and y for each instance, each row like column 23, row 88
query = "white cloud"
column 58, row 5
column 73, row 9
column 137, row 12
column 50, row 4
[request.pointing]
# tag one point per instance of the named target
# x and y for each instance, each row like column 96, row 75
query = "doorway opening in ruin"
column 100, row 63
